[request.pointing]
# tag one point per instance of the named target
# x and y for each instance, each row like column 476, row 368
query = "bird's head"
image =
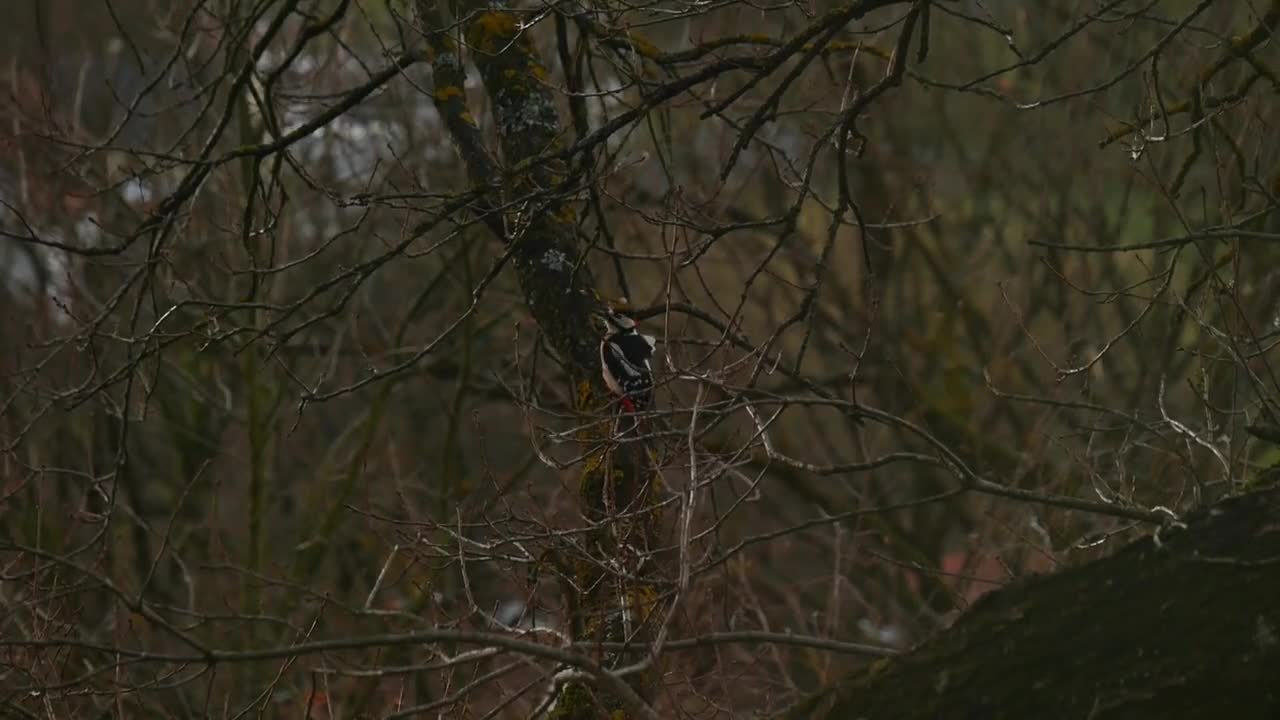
column 614, row 320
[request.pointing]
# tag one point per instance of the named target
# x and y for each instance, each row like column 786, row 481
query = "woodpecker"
column 625, row 361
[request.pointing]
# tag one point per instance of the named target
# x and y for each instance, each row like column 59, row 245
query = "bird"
column 626, row 357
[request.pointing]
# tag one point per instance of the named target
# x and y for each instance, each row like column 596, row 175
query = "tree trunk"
column 1186, row 625
column 527, row 201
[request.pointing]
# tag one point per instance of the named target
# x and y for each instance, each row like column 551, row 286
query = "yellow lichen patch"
column 642, row 599
column 538, row 71
column 492, row 30
column 658, row 485
column 585, row 395
column 877, row 667
column 643, row 47
column 566, row 215
column 592, row 462
column 467, row 118
column 444, row 92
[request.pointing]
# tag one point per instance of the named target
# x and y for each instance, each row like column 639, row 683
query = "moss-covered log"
column 1186, row 626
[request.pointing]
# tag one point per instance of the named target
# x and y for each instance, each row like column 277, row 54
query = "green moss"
column 575, row 703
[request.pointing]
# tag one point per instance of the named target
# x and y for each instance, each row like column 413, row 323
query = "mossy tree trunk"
column 527, row 202
column 1184, row 627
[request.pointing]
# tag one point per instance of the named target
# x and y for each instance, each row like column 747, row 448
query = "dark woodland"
column 965, row 385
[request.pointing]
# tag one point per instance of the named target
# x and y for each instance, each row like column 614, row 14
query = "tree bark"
column 1184, row 624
